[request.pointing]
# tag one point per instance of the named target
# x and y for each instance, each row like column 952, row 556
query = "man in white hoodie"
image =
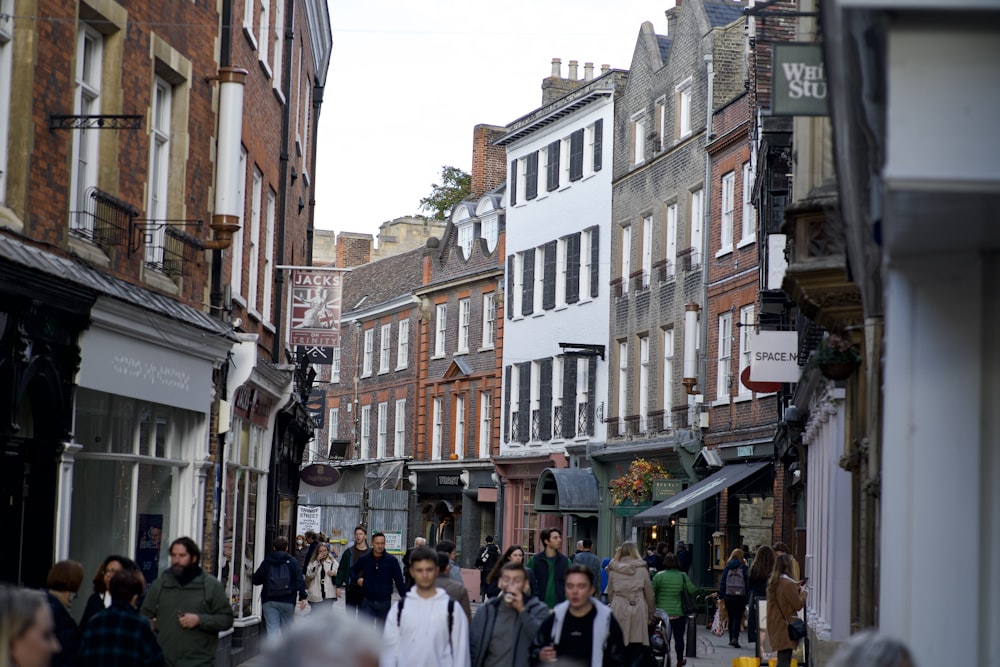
column 425, row 629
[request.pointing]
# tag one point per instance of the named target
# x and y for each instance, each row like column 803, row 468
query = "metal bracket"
column 584, row 349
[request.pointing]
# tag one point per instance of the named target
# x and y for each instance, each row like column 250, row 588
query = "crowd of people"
column 541, row 608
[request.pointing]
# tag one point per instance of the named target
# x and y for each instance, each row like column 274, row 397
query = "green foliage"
column 455, row 186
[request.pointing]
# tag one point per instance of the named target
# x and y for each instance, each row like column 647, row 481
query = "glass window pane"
column 92, row 411
column 123, row 436
column 156, row 485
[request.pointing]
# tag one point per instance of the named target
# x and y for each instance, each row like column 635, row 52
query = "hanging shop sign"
column 800, row 87
column 319, row 475
column 774, row 357
column 314, row 304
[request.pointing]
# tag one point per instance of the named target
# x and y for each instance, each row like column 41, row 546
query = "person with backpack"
column 486, row 560
column 425, row 629
column 734, row 585
column 283, row 584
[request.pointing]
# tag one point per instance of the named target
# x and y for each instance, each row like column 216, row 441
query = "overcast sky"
column 409, row 80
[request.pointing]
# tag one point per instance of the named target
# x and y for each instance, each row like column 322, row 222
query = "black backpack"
column 279, row 580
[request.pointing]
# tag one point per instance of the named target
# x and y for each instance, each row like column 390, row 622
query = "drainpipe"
column 286, row 112
column 705, row 228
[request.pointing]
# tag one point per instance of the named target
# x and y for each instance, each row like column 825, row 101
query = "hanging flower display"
column 636, row 484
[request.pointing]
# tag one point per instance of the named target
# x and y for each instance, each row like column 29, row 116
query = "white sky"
column 409, row 80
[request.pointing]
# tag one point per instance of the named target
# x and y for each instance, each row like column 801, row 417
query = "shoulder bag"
column 796, row 627
column 688, row 604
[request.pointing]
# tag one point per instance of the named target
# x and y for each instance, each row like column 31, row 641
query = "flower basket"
column 836, row 357
column 635, row 485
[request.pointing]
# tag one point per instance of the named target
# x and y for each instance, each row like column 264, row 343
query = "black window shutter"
column 513, row 182
column 591, row 394
column 569, row 397
column 545, row 399
column 549, row 279
column 552, row 175
column 506, row 405
column 573, row 268
column 576, row 155
column 528, row 284
column 595, row 257
column 531, row 177
column 524, row 401
column 510, row 287
column 598, row 142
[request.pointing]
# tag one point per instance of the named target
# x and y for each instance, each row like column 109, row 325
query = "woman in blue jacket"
column 734, row 586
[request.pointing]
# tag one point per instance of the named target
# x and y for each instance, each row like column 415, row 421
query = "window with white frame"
column 684, row 108
column 465, row 237
column 582, row 410
column 369, row 344
column 383, row 430
column 514, row 390
column 748, row 223
column 557, row 397
column 670, row 253
column 306, row 127
column 6, row 63
column 539, row 279
column 647, row 250
column 522, row 179
column 535, row 402
column 588, row 154
column 298, row 48
column 384, row 340
column 248, row 15
column 87, row 101
column 279, row 34
column 489, row 319
column 403, row 344
column 626, row 257
column 517, row 284
column 436, row 425
column 723, row 377
column 660, row 122
column 726, row 231
column 561, row 269
column 458, row 446
column 159, row 172
column 254, row 239
column 334, row 423
column 622, row 382
column 236, row 247
column 399, row 436
column 644, row 384
column 366, row 430
column 440, row 329
column 746, row 332
column 485, row 423
column 267, row 265
column 638, row 136
column 695, row 225
column 489, row 229
column 668, row 376
column 335, row 364
column 464, row 321
column 264, row 33
column 586, row 242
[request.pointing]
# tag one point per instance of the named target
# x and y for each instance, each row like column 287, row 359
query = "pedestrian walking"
column 120, row 636
column 760, row 572
column 630, row 597
column 456, row 592
column 61, row 586
column 300, row 551
column 785, row 596
column 581, row 629
column 782, row 548
column 417, row 543
column 733, row 585
column 312, row 541
column 101, row 598
column 188, row 608
column 27, row 631
column 424, row 629
column 450, row 548
column 376, row 572
column 283, row 586
column 588, row 558
column 486, row 560
column 513, row 554
column 505, row 625
column 667, row 586
column 549, row 568
column 345, row 579
column 683, row 554
column 321, row 582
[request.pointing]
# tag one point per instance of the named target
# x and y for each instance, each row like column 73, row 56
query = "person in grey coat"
column 504, row 627
column 588, row 558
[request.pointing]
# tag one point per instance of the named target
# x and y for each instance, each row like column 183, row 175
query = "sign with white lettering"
column 315, row 307
column 800, row 87
column 774, row 357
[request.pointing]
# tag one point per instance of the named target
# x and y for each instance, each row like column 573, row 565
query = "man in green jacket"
column 188, row 608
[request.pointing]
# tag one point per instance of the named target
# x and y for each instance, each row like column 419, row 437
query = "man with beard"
column 376, row 572
column 346, row 582
column 188, row 608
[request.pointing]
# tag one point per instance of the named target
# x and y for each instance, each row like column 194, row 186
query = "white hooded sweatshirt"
column 420, row 638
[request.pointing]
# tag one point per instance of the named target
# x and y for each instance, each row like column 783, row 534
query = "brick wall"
column 489, row 162
column 353, row 249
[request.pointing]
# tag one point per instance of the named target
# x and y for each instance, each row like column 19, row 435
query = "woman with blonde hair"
column 733, row 587
column 514, row 553
column 785, row 597
column 27, row 632
column 321, row 586
column 630, row 596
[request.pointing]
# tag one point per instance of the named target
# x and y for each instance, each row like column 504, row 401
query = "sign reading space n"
column 800, row 87
column 774, row 357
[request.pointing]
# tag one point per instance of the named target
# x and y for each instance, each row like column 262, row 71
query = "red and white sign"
column 315, row 307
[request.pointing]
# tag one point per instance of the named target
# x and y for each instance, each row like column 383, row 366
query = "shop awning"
column 706, row 488
column 567, row 491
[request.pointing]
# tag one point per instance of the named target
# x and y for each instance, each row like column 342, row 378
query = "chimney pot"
column 556, row 68
column 605, row 68
column 573, row 65
column 588, row 71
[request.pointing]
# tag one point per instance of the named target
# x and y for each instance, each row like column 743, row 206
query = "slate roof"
column 75, row 271
column 664, row 43
column 723, row 13
column 382, row 280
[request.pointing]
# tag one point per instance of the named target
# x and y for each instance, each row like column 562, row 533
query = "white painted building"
column 557, row 286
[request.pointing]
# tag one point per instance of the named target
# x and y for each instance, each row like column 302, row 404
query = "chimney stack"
column 556, row 68
column 588, row 71
column 605, row 68
column 489, row 161
column 554, row 86
column 573, row 65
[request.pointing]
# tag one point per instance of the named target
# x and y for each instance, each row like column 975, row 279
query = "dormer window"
column 489, row 226
column 465, row 236
column 465, row 230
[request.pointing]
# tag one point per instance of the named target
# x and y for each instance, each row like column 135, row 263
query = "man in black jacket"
column 283, row 583
column 486, row 559
column 376, row 572
column 549, row 567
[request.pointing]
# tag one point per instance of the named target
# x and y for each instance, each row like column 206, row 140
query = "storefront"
column 519, row 476
column 455, row 501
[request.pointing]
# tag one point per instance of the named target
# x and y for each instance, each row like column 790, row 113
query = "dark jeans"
column 353, row 595
column 735, row 607
column 678, row 628
column 785, row 658
column 377, row 609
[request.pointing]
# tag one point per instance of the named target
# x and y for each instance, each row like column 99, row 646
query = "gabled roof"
column 723, row 13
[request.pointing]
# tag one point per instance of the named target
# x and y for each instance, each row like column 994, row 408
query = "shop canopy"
column 567, row 491
column 706, row 488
